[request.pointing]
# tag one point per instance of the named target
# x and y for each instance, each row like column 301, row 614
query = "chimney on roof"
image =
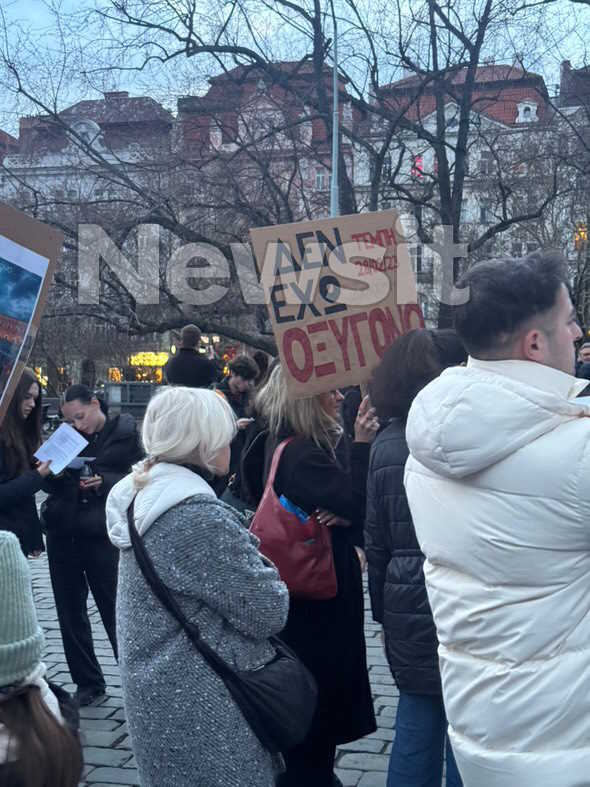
column 116, row 94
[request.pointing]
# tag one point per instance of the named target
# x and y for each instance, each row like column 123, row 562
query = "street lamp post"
column 334, row 188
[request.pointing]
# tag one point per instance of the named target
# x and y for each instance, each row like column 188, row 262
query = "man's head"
column 190, row 336
column 584, row 353
column 519, row 309
column 243, row 371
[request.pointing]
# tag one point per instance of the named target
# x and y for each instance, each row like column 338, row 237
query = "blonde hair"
column 305, row 417
column 180, row 422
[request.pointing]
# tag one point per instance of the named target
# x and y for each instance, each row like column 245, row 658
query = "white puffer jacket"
column 498, row 483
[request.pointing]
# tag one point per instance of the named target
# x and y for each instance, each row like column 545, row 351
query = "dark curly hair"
column 503, row 295
column 412, row 361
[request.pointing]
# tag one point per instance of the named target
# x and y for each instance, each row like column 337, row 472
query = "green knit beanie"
column 21, row 637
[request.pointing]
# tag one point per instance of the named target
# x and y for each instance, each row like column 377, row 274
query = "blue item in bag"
column 293, row 509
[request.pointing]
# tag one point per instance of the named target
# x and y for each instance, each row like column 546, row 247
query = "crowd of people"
column 240, row 523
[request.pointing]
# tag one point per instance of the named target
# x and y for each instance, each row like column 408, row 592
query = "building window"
column 387, row 170
column 486, row 162
column 527, row 112
column 417, row 168
column 320, row 180
column 516, row 248
column 580, row 236
column 416, row 257
column 485, row 212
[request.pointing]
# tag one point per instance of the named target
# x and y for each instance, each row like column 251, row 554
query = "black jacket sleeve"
column 112, row 477
column 376, row 548
column 16, row 489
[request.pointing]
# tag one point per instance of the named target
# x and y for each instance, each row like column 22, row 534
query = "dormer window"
column 527, row 112
column 89, row 132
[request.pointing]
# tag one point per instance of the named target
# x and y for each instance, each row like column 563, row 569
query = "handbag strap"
column 276, row 458
column 164, row 595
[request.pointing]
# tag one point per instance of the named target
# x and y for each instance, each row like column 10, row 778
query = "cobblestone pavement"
column 107, row 752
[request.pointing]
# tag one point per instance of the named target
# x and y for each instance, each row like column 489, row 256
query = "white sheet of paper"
column 63, row 445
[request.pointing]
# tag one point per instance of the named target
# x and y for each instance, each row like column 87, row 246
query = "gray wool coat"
column 186, row 730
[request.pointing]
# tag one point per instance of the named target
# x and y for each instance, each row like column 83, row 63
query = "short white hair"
column 180, row 422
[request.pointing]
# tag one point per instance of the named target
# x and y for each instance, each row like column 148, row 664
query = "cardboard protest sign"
column 29, row 251
column 339, row 291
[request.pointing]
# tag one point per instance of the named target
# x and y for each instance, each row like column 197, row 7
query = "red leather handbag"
column 301, row 551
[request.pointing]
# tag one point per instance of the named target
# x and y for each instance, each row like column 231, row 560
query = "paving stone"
column 347, row 777
column 108, row 725
column 103, row 738
column 373, row 779
column 376, row 659
column 97, row 712
column 383, row 733
column 386, row 721
column 121, row 776
column 364, row 762
column 114, row 702
column 382, row 680
column 382, row 689
column 385, row 701
column 373, row 745
column 119, row 714
column 110, row 669
column 114, row 758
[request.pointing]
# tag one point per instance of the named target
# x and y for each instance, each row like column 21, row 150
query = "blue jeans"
column 419, row 744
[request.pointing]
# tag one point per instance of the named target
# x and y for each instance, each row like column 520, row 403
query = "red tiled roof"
column 119, row 108
column 484, row 74
column 498, row 91
column 7, row 139
column 297, row 67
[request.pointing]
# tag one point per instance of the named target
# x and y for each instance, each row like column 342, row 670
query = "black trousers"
column 309, row 765
column 75, row 565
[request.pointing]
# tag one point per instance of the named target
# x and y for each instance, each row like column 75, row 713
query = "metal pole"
column 334, row 190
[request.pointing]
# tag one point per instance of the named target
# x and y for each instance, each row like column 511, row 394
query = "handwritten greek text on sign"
column 339, row 291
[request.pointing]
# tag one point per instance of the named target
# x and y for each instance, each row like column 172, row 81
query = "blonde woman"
column 184, row 725
column 327, row 635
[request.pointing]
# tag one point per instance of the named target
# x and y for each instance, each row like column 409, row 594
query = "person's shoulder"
column 208, row 509
column 390, row 445
column 206, row 518
column 302, row 450
column 123, row 425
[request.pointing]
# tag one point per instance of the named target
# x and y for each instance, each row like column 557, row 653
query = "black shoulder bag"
column 277, row 700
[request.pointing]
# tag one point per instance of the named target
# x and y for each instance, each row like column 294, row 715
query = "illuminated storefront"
column 148, row 366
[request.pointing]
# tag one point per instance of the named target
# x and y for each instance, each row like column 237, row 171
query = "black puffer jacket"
column 67, row 511
column 396, row 578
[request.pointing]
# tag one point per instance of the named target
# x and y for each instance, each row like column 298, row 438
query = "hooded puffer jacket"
column 498, row 483
column 396, row 579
